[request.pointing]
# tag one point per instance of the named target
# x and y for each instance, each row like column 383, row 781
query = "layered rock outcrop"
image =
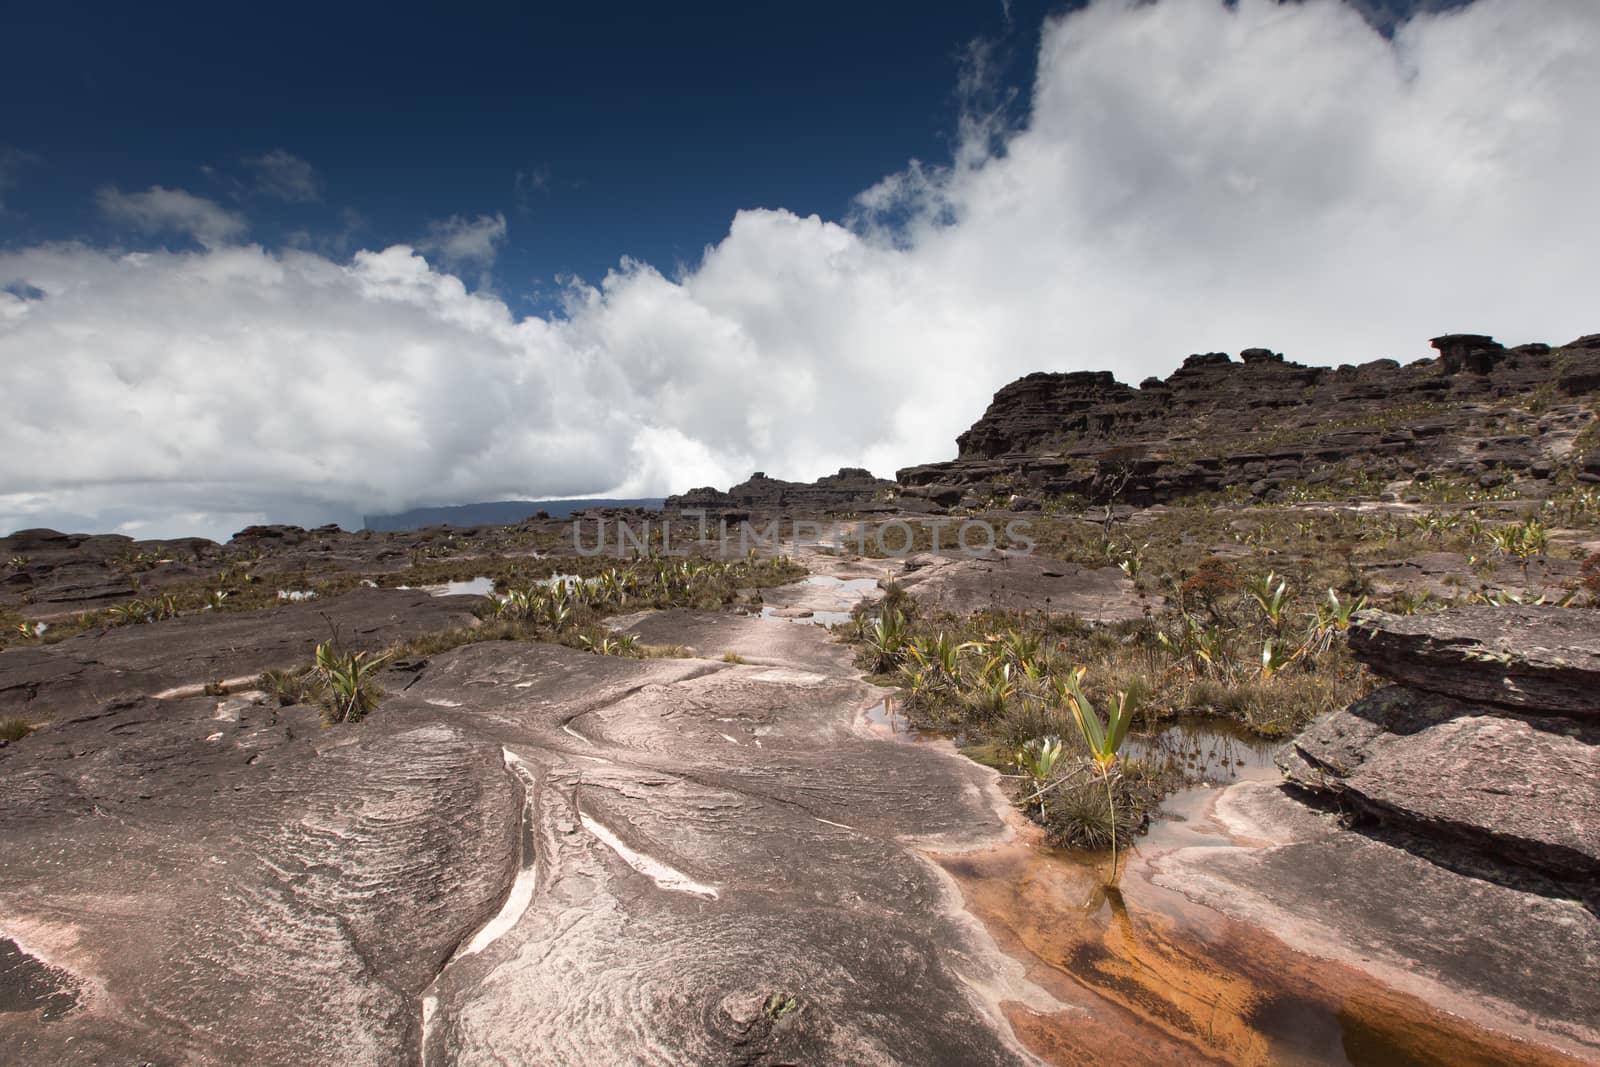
column 1488, row 744
column 1480, row 412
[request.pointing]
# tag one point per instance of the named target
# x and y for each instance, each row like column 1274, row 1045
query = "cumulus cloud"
column 460, row 242
column 285, row 176
column 1191, row 176
column 162, row 210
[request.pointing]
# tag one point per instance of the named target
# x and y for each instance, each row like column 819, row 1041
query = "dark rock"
column 1468, row 351
column 1208, row 424
column 1544, row 660
column 1020, row 583
column 192, row 650
column 844, row 491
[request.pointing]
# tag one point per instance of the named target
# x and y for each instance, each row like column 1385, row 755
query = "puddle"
column 815, row 618
column 842, row 585
column 480, row 586
column 1206, row 752
column 887, row 720
column 1147, row 976
column 471, row 587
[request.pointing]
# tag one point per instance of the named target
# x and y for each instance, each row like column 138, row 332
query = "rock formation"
column 852, row 489
column 1489, row 741
column 1442, row 833
column 1480, row 412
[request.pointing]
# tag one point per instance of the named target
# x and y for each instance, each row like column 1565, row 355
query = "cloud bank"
column 1192, row 176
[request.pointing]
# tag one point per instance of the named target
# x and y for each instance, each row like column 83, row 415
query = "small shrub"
column 14, row 728
column 348, row 682
column 1081, row 814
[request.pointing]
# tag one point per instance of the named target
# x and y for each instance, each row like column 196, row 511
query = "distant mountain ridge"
column 495, row 513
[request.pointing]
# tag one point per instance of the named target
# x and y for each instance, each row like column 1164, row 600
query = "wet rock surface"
column 1451, row 845
column 1464, row 944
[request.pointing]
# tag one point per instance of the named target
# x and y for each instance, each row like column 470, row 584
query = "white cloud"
column 1191, row 177
column 285, row 176
column 160, row 210
column 460, row 242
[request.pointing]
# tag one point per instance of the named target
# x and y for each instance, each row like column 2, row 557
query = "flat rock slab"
column 527, row 854
column 725, row 839
column 961, row 585
column 42, row 682
column 1463, row 944
column 1545, row 660
column 712, row 635
column 1523, row 790
column 218, row 881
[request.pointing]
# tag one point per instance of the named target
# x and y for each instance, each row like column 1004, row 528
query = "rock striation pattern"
column 528, row 854
column 1489, row 742
column 1263, row 425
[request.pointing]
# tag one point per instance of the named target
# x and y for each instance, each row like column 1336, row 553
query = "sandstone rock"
column 1463, row 944
column 192, row 650
column 1545, row 660
column 962, row 585
column 1525, row 791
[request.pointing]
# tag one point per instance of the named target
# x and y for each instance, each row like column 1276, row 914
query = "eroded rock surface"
column 1523, row 789
column 529, row 854
column 1262, row 425
column 1467, row 945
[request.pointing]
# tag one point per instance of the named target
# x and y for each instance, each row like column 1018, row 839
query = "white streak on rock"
column 660, row 873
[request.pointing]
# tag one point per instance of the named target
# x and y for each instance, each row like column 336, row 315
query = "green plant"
column 1104, row 740
column 777, row 1005
column 1037, row 759
column 1271, row 598
column 287, row 687
column 348, row 681
column 886, row 639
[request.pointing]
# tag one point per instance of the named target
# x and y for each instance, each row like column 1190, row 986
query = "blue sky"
column 300, row 263
column 597, row 132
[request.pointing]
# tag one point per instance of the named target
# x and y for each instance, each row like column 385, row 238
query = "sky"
column 308, row 263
